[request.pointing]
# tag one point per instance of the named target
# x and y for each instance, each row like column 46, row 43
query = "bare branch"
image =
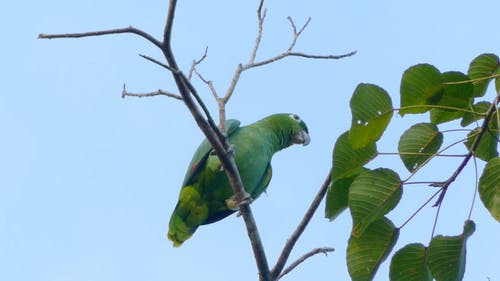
column 159, row 92
column 290, row 243
column 288, row 53
column 129, row 29
column 295, row 54
column 197, row 62
column 155, row 61
column 324, row 250
column 261, row 16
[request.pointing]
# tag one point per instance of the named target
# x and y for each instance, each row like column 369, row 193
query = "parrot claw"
column 234, row 204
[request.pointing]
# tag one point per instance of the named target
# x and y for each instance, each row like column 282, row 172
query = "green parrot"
column 206, row 195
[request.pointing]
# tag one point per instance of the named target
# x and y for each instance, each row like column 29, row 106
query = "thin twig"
column 155, row 61
column 419, row 209
column 129, row 29
column 324, row 250
column 159, row 92
column 261, row 16
column 296, row 54
column 290, row 243
column 197, row 62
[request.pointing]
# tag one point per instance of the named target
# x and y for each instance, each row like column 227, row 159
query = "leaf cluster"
column 370, row 194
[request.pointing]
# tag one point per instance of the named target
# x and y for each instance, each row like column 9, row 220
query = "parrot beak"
column 301, row 138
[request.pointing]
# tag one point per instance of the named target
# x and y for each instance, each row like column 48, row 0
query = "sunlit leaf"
column 482, row 66
column 410, row 264
column 480, row 110
column 348, row 159
column 457, row 95
column 372, row 110
column 421, row 85
column 367, row 252
column 488, row 145
column 372, row 195
column 337, row 195
column 447, row 254
column 489, row 187
column 418, row 143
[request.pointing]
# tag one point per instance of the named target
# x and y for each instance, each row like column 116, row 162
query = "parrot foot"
column 234, row 204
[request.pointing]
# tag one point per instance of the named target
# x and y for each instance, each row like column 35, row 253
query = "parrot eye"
column 295, row 117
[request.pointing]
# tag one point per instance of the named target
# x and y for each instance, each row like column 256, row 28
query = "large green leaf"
column 447, row 254
column 488, row 145
column 482, row 66
column 421, row 85
column 479, row 110
column 457, row 96
column 372, row 195
column 367, row 252
column 418, row 143
column 347, row 159
column 372, row 110
column 489, row 187
column 410, row 264
column 337, row 195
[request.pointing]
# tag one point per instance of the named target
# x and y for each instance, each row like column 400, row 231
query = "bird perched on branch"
column 206, row 195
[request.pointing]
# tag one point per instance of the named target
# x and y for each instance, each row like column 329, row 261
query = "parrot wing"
column 203, row 151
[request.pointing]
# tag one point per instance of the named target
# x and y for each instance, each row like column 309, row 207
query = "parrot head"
column 300, row 133
column 289, row 128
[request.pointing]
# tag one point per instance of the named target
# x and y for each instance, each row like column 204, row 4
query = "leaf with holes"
column 483, row 66
column 372, row 110
column 457, row 96
column 421, row 85
column 419, row 143
column 372, row 195
column 367, row 252
column 336, row 197
column 347, row 159
column 447, row 254
column 410, row 264
column 488, row 145
column 489, row 187
column 479, row 110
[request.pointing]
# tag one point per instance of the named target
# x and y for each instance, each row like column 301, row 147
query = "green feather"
column 205, row 188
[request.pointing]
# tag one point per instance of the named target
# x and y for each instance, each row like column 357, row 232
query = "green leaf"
column 347, row 159
column 421, row 85
column 367, row 252
column 482, row 66
column 418, row 143
column 489, row 187
column 410, row 264
column 488, row 144
column 337, row 195
column 480, row 110
column 457, row 94
column 372, row 195
column 372, row 110
column 447, row 254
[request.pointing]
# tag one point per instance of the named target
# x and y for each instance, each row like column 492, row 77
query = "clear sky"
column 88, row 180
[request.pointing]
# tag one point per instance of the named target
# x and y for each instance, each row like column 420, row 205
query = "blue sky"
column 88, row 179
